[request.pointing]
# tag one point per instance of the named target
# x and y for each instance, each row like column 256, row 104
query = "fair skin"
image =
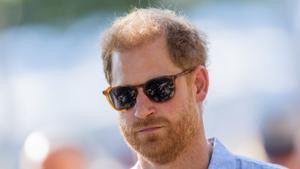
column 155, row 142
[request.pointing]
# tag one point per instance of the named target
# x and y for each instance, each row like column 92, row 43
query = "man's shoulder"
column 223, row 159
column 247, row 163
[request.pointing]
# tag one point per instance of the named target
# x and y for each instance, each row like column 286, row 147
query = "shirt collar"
column 221, row 157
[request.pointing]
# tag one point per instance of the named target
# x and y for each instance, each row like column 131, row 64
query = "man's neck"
column 195, row 156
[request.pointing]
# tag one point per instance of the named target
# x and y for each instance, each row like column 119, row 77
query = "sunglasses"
column 159, row 90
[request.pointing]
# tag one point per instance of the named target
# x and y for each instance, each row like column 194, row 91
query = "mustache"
column 151, row 121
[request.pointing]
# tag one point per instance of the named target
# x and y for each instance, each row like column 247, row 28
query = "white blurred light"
column 36, row 146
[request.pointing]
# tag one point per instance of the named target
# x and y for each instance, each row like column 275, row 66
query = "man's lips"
column 150, row 129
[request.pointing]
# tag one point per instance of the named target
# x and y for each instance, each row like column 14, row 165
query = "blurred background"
column 52, row 110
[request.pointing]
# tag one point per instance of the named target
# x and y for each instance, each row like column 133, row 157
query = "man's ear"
column 201, row 82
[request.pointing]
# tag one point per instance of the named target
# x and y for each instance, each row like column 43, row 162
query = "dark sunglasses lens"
column 123, row 97
column 160, row 89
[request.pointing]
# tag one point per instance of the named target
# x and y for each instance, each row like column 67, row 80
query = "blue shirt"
column 221, row 158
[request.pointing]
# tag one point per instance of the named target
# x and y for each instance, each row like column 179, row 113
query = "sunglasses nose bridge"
column 140, row 89
column 143, row 106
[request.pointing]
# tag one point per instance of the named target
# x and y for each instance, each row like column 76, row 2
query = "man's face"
column 157, row 131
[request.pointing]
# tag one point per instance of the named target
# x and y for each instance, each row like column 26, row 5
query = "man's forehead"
column 127, row 71
column 138, row 64
column 117, row 69
column 125, row 74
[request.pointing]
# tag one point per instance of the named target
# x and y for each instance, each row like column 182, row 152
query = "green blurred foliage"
column 15, row 12
column 51, row 10
column 61, row 12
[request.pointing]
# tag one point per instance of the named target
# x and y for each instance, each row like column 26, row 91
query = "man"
column 155, row 64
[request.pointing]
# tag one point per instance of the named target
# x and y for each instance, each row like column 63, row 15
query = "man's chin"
column 148, row 143
column 155, row 149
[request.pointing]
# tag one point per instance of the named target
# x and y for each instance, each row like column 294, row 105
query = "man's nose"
column 144, row 106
